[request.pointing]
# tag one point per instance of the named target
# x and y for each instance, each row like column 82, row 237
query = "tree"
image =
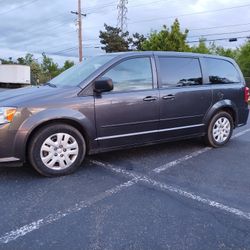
column 243, row 59
column 226, row 52
column 40, row 72
column 67, row 64
column 35, row 68
column 28, row 59
column 49, row 68
column 201, row 48
column 36, row 73
column 172, row 39
column 114, row 40
column 137, row 41
column 9, row 61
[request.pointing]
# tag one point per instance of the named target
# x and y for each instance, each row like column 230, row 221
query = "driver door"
column 129, row 114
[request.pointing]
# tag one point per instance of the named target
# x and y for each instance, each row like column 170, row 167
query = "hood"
column 32, row 95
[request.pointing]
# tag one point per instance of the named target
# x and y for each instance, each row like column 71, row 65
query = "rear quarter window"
column 221, row 71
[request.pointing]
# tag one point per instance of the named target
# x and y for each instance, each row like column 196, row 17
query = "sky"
column 37, row 26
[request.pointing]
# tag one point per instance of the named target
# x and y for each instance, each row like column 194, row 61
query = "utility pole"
column 79, row 21
column 122, row 15
column 80, row 29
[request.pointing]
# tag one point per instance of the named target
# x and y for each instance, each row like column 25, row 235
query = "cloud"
column 38, row 26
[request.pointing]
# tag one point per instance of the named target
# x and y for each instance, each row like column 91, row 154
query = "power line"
column 191, row 14
column 219, row 27
column 60, row 47
column 149, row 3
column 95, row 10
column 95, row 7
column 219, row 39
column 18, row 7
column 220, row 34
column 71, row 49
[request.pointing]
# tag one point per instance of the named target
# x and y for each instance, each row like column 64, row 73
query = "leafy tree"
column 226, row 52
column 243, row 58
column 36, row 73
column 67, row 64
column 114, row 40
column 137, row 41
column 201, row 48
column 9, row 61
column 40, row 72
column 49, row 68
column 27, row 60
column 172, row 39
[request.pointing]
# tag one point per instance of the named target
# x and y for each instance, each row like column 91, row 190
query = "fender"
column 44, row 116
column 219, row 106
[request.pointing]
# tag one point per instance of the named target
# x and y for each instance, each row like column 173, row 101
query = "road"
column 178, row 195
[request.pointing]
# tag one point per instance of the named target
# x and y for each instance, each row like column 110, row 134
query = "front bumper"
column 7, row 139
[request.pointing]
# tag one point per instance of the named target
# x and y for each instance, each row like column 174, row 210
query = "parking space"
column 2, row 89
column 177, row 195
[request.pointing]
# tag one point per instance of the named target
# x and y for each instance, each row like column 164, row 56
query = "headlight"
column 7, row 114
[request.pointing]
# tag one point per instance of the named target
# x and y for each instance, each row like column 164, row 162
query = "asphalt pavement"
column 178, row 195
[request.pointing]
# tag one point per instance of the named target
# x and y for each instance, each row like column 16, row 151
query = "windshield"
column 78, row 73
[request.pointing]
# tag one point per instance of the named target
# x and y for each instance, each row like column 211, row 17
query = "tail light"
column 247, row 94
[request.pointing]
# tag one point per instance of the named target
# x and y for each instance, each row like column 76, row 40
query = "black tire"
column 37, row 141
column 209, row 138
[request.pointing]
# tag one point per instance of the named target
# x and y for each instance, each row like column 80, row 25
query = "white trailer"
column 14, row 76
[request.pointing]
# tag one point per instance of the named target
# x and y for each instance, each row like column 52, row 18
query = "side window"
column 178, row 71
column 221, row 71
column 132, row 74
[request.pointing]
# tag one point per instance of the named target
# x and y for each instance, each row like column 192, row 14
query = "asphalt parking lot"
column 178, row 195
column 2, row 89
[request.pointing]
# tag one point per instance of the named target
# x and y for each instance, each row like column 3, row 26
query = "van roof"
column 169, row 53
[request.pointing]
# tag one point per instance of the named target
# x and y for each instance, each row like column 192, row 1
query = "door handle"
column 150, row 99
column 168, row 97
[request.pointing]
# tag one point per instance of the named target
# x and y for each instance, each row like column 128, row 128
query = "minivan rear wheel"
column 220, row 129
column 56, row 150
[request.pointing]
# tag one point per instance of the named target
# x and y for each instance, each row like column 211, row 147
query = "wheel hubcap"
column 221, row 129
column 59, row 151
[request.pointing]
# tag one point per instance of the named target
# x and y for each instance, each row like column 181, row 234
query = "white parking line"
column 241, row 133
column 167, row 188
column 192, row 155
column 35, row 225
column 24, row 230
column 180, row 160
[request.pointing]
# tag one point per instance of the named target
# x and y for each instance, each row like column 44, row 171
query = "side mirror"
column 103, row 85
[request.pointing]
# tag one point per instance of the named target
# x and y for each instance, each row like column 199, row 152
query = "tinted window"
column 221, row 71
column 132, row 74
column 177, row 72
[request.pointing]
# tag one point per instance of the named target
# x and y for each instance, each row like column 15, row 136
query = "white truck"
column 14, row 76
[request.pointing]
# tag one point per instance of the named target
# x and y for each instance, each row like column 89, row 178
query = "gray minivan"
column 121, row 100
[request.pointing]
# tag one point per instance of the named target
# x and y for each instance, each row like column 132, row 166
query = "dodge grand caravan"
column 122, row 100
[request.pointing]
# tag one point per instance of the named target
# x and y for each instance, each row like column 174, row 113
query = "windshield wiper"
column 50, row 84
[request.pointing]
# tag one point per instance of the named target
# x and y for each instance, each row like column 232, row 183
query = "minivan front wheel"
column 57, row 150
column 220, row 129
